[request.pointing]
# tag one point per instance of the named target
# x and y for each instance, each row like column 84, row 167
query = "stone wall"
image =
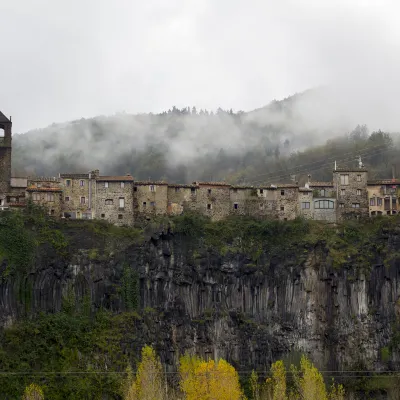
column 48, row 197
column 77, row 203
column 351, row 192
column 181, row 197
column 213, row 200
column 306, row 200
column 114, row 201
column 149, row 199
column 287, row 202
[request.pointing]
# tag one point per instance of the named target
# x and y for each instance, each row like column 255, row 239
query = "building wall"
column 112, row 212
column 307, row 198
column 349, row 197
column 287, row 202
column 324, row 214
column 213, row 200
column 74, row 192
column 149, row 199
column 5, row 159
column 385, row 199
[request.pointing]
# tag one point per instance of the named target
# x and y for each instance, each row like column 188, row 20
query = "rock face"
column 224, row 306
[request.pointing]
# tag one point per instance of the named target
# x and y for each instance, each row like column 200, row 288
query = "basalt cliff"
column 338, row 304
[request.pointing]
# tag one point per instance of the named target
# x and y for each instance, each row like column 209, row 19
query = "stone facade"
column 47, row 192
column 114, row 199
column 213, row 200
column 351, row 193
column 287, row 196
column 324, row 204
column 383, row 197
column 149, row 199
column 5, row 158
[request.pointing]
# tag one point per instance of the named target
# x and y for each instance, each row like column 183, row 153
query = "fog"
column 113, row 62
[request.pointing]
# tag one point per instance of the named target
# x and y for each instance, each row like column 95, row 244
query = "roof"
column 17, row 205
column 212, row 184
column 182, row 185
column 123, row 178
column 384, row 182
column 155, row 183
column 3, row 118
column 74, row 176
column 320, row 184
column 304, row 189
column 350, row 169
column 286, row 185
column 43, row 189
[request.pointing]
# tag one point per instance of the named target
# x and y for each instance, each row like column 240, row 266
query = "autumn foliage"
column 33, row 392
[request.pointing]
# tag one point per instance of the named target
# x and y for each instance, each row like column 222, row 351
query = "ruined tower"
column 5, row 157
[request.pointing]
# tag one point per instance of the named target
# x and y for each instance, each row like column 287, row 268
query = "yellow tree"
column 254, row 385
column 309, row 383
column 149, row 383
column 33, row 392
column 209, row 380
column 278, row 380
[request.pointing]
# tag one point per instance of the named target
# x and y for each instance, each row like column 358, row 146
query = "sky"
column 63, row 60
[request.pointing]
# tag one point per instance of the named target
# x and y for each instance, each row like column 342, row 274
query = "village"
column 122, row 200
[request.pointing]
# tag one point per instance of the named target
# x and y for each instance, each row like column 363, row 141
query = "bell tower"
column 5, row 156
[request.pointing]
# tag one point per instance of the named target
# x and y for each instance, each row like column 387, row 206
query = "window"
column 282, row 192
column 208, row 206
column 83, row 200
column 121, row 203
column 135, row 188
column 50, row 197
column 153, row 203
column 66, row 198
column 358, row 192
column 322, row 192
column 358, row 178
column 355, row 205
column 342, row 192
column 36, row 196
column 378, row 201
column 109, row 202
column 261, row 191
column 341, row 205
column 177, row 190
column 122, row 185
column 52, row 212
column 193, row 190
column 152, row 188
column 81, row 183
column 103, row 215
column 119, row 216
column 106, row 184
column 305, row 205
column 209, row 191
column 13, row 200
column 235, row 190
column 282, row 208
column 394, row 201
column 235, row 206
column 144, row 204
column 324, row 204
column 344, row 179
column 372, row 201
column 68, row 182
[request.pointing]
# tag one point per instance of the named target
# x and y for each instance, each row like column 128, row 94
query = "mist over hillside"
column 188, row 144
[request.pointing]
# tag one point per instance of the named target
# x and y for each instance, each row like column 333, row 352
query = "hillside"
column 265, row 145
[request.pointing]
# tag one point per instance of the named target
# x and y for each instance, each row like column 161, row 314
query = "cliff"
column 308, row 294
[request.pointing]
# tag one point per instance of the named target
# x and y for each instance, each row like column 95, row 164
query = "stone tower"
column 5, row 156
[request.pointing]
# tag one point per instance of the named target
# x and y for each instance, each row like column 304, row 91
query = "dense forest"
column 286, row 140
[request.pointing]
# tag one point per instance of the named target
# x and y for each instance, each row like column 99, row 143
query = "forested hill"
column 296, row 136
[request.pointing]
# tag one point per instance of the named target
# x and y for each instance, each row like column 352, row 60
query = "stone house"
column 149, row 199
column 383, row 196
column 113, row 199
column 47, row 192
column 181, row 198
column 324, row 204
column 305, row 206
column 78, row 191
column 287, row 201
column 213, row 200
column 351, row 192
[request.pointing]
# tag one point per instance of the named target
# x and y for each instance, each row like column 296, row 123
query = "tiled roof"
column 212, row 184
column 155, row 183
column 74, row 176
column 182, row 185
column 384, row 182
column 3, row 118
column 123, row 178
column 286, row 185
column 350, row 169
column 43, row 189
column 321, row 184
column 304, row 189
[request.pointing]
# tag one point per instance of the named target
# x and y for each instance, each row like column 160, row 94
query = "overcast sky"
column 63, row 60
